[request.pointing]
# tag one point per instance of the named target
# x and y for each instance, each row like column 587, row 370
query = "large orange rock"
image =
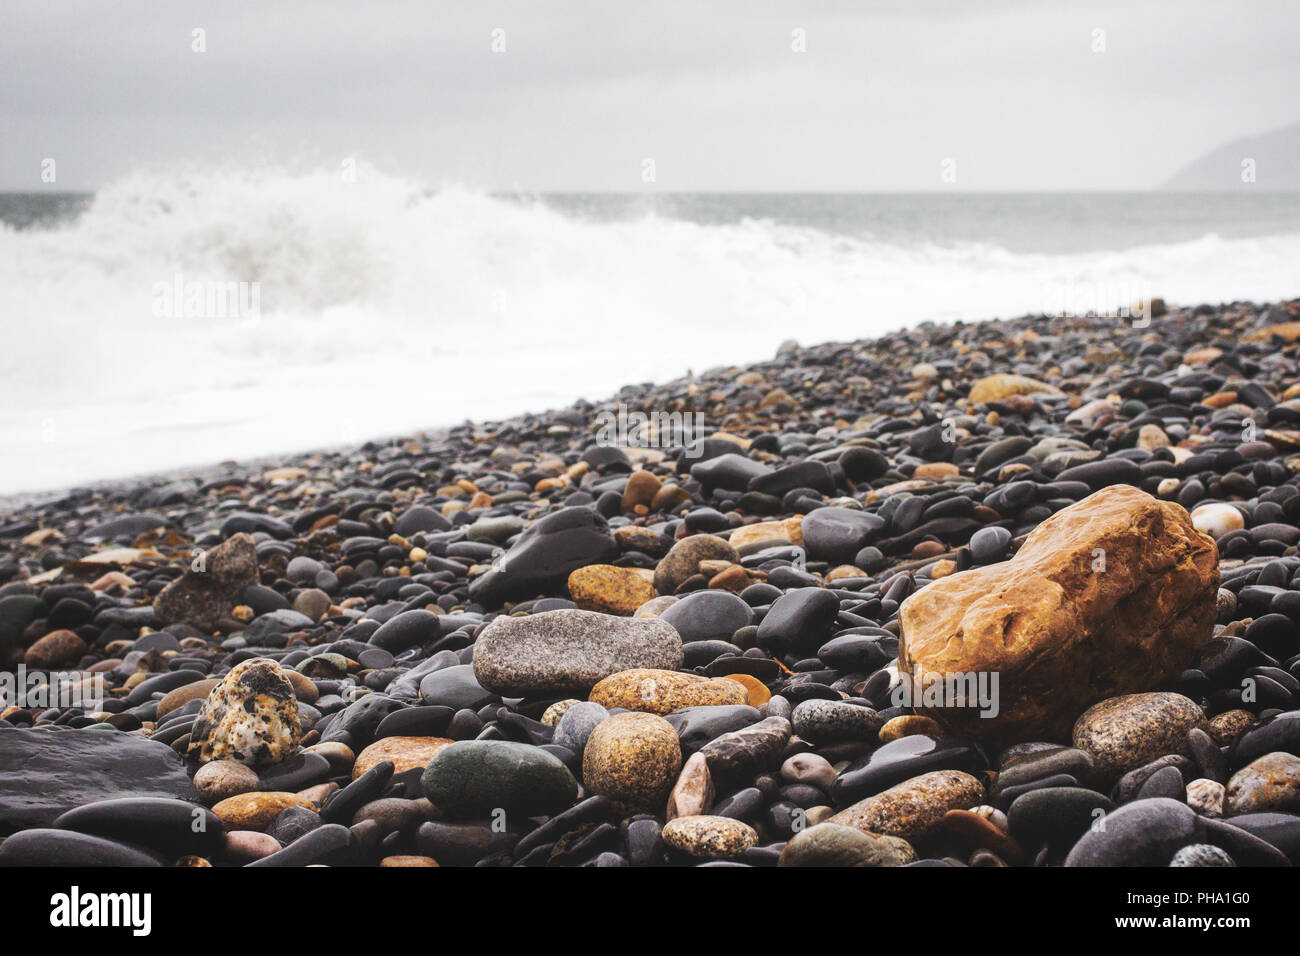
column 1106, row 597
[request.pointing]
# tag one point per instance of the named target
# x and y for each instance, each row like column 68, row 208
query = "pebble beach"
column 1013, row 593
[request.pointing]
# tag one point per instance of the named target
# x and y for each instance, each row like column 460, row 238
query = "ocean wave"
column 373, row 307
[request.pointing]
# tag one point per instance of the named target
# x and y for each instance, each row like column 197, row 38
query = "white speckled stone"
column 250, row 717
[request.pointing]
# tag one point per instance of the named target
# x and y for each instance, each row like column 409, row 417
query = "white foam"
column 386, row 307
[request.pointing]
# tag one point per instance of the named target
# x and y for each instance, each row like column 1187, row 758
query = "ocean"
column 179, row 319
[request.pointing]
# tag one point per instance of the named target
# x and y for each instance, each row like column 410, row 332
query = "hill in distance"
column 1276, row 156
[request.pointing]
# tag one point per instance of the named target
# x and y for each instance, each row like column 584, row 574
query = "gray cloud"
column 585, row 90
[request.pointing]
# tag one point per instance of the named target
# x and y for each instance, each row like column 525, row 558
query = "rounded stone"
column 551, row 717
column 476, row 777
column 1217, row 519
column 824, row 720
column 809, row 768
column 610, row 589
column 832, row 844
column 56, row 649
column 710, row 838
column 576, row 724
column 220, row 779
column 633, row 759
column 909, row 725
column 255, row 811
column 1123, row 733
column 1201, row 854
column 683, row 560
column 1270, row 783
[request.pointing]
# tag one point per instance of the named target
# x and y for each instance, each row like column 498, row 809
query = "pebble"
column 250, row 717
column 255, row 810
column 475, row 777
column 219, row 779
column 1270, row 783
column 1123, row 733
column 854, row 508
column 567, row 651
column 610, row 589
column 709, row 838
column 658, row 691
column 914, row 807
column 832, row 844
column 634, row 759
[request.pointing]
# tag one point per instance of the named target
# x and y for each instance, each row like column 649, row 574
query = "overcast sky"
column 1015, row 93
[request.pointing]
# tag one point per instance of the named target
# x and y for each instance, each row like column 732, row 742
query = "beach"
column 942, row 597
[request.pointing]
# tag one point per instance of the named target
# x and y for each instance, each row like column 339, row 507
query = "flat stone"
column 45, row 772
column 663, row 691
column 569, row 651
column 475, row 777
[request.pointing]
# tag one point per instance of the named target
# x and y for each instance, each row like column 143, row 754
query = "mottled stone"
column 210, row 589
column 833, row 844
column 1201, row 854
column 823, row 720
column 1123, row 733
column 551, row 717
column 710, row 838
column 1270, row 783
column 1206, row 797
column 1225, row 728
column 406, row 753
column 251, row 717
column 662, row 691
column 256, row 810
column 914, row 807
column 569, row 651
column 610, row 589
column 633, row 759
column 684, row 560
